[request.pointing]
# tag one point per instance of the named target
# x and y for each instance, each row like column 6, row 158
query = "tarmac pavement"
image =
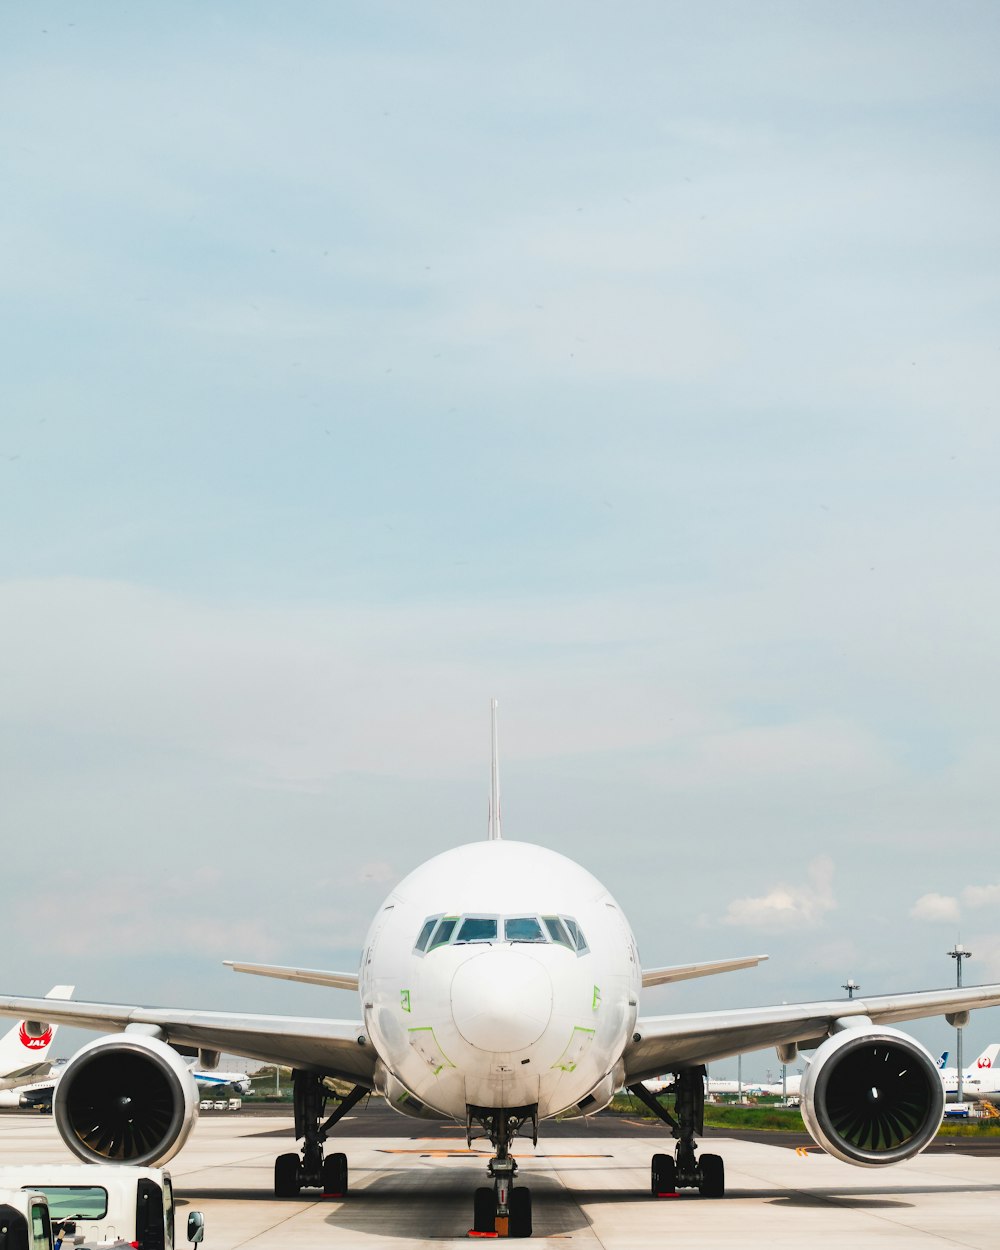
column 414, row 1188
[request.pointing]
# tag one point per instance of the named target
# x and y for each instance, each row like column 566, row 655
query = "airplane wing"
column 331, row 1047
column 666, row 1043
column 684, row 972
column 25, row 1076
column 312, row 976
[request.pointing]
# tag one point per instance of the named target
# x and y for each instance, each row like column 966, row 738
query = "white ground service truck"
column 99, row 1206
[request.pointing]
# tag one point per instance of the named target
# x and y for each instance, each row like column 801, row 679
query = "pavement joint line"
column 842, row 1202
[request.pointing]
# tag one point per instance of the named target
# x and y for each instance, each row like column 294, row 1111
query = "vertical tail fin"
column 494, row 829
column 942, row 1063
column 988, row 1059
column 27, row 1044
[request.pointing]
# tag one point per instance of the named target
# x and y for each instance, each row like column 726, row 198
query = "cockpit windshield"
column 523, row 929
column 459, row 930
column 425, row 933
column 478, row 929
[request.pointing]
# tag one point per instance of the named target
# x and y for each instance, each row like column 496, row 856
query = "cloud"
column 935, row 907
column 947, row 908
column 981, row 895
column 788, row 907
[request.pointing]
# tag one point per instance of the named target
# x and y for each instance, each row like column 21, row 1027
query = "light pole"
column 958, row 953
column 850, row 985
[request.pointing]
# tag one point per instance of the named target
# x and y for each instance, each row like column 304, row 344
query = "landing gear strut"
column 312, row 1170
column 684, row 1170
column 505, row 1208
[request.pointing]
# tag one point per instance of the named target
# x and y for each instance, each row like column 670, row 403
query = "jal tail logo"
column 985, row 1062
column 34, row 1043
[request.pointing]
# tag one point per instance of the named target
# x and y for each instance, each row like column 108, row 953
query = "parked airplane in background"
column 500, row 985
column 980, row 1080
column 985, row 1060
column 37, row 1096
column 25, row 1048
column 714, row 1087
column 221, row 1082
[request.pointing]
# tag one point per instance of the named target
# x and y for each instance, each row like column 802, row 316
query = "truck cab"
column 104, row 1205
column 24, row 1220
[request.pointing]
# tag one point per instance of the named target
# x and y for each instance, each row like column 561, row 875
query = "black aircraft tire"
column 713, row 1176
column 286, row 1176
column 520, row 1212
column 335, row 1175
column 663, row 1175
column 484, row 1210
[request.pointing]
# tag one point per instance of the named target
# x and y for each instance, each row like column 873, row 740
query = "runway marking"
column 475, row 1154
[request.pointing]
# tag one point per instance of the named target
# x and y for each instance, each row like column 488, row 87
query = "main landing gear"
column 684, row 1170
column 312, row 1170
column 503, row 1208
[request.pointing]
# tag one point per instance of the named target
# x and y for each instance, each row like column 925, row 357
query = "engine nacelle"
column 872, row 1096
column 128, row 1098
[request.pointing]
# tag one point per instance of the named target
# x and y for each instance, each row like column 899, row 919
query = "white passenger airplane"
column 500, row 985
column 219, row 1082
column 980, row 1080
column 24, row 1050
column 985, row 1060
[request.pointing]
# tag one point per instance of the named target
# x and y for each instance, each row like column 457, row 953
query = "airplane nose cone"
column 501, row 999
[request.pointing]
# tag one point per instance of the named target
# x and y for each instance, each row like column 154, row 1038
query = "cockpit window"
column 442, row 934
column 557, row 932
column 523, row 929
column 478, row 929
column 455, row 930
column 576, row 933
column 425, row 933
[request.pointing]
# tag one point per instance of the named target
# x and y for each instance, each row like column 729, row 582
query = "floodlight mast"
column 958, row 953
column 850, row 985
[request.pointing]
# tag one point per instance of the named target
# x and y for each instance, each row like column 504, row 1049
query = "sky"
column 635, row 365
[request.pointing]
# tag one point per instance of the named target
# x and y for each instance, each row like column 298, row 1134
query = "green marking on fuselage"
column 404, row 999
column 430, row 1053
column 567, row 1061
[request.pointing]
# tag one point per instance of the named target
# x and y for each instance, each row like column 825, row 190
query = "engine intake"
column 872, row 1096
column 125, row 1099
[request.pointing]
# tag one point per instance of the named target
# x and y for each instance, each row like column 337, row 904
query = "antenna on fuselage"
column 494, row 826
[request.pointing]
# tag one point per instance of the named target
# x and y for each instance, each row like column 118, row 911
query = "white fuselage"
column 508, row 1018
column 983, row 1086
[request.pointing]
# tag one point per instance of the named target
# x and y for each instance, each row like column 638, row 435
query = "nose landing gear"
column 503, row 1209
column 312, row 1170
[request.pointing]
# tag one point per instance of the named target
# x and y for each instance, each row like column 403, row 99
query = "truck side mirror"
column 196, row 1226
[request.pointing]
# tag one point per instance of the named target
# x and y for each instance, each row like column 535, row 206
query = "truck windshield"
column 82, row 1202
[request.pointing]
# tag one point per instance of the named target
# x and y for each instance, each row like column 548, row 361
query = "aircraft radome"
column 500, row 985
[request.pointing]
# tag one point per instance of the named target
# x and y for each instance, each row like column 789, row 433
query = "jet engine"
column 872, row 1096
column 125, row 1099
